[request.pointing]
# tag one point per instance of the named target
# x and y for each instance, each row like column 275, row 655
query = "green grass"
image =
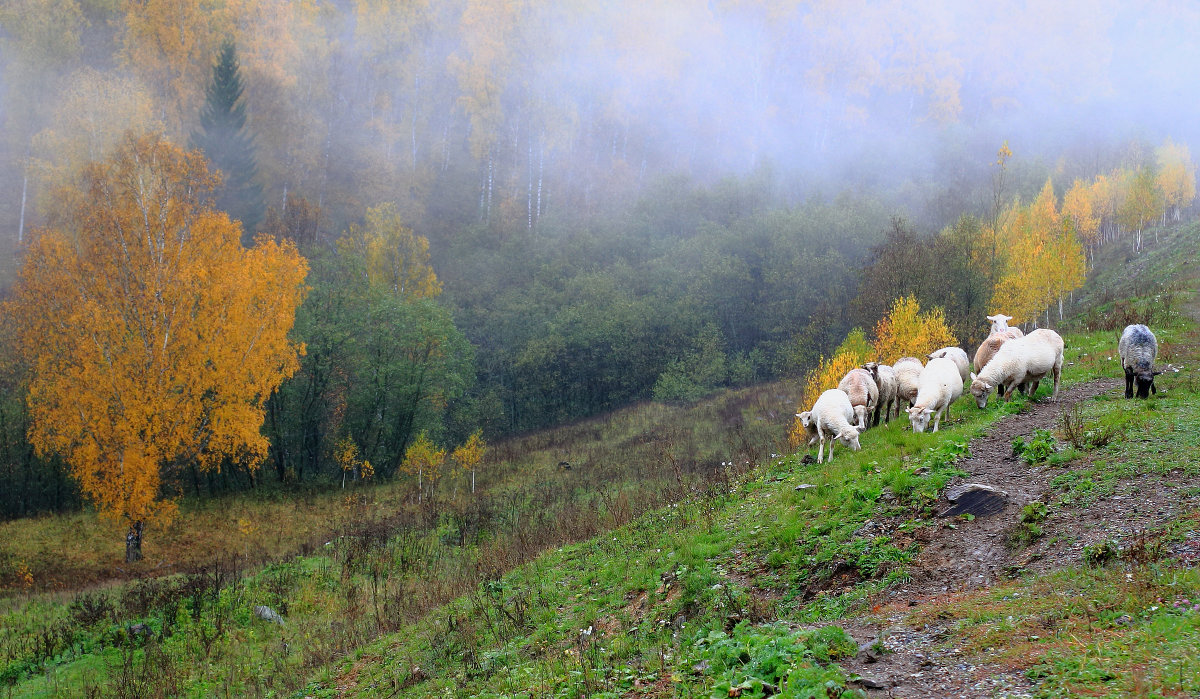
column 692, row 564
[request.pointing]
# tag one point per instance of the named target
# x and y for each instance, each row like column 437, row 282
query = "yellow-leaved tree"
column 1080, row 208
column 1176, row 177
column 423, row 457
column 391, row 256
column 906, row 331
column 470, row 453
column 153, row 336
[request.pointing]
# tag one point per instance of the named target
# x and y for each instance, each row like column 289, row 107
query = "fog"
column 454, row 109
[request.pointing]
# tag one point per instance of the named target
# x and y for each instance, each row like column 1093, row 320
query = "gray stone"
column 975, row 499
column 267, row 614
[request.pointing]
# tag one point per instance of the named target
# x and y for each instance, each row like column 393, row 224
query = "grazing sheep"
column 940, row 385
column 885, row 379
column 1022, row 361
column 864, row 394
column 956, row 355
column 908, row 374
column 991, row 345
column 832, row 414
column 810, row 427
column 1138, row 349
column 1000, row 324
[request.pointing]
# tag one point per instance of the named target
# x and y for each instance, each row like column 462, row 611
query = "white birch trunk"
column 21, row 224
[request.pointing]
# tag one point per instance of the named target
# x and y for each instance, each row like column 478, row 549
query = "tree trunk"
column 21, row 225
column 133, row 543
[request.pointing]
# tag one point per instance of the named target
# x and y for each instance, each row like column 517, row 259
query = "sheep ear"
column 973, row 376
column 1156, row 373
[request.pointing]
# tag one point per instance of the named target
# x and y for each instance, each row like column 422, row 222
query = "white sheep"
column 1138, row 349
column 1000, row 324
column 1021, row 362
column 989, row 347
column 908, row 375
column 885, row 379
column 832, row 414
column 957, row 355
column 863, row 392
column 810, row 427
column 939, row 386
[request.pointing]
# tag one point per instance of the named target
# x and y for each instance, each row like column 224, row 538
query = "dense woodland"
column 505, row 227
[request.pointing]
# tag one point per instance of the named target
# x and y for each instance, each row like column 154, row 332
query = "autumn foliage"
column 154, row 337
column 907, row 332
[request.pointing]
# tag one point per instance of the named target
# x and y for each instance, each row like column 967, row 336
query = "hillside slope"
column 818, row 580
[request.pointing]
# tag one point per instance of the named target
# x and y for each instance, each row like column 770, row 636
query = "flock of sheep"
column 1008, row 360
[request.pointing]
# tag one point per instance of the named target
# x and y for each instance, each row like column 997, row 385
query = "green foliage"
column 773, row 660
column 1101, row 552
column 1029, row 526
column 1038, row 449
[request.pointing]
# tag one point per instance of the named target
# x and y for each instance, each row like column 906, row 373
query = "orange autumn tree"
column 907, row 332
column 153, row 336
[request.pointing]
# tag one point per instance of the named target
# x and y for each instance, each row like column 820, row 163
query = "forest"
column 489, row 217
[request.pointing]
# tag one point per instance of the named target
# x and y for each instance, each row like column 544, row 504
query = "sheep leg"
column 821, row 450
column 937, row 418
column 1058, row 375
column 1128, row 382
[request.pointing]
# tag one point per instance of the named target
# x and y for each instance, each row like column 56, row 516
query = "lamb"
column 1000, row 324
column 1023, row 361
column 832, row 414
column 908, row 373
column 1138, row 349
column 863, row 393
column 810, row 427
column 956, row 355
column 885, row 379
column 940, row 385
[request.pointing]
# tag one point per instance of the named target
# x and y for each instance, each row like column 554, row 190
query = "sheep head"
column 999, row 322
column 860, row 413
column 849, row 437
column 980, row 389
column 919, row 417
column 1144, row 381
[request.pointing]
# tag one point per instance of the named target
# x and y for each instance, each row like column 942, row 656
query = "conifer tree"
column 228, row 145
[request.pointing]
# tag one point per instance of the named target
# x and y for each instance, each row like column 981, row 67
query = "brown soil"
column 965, row 555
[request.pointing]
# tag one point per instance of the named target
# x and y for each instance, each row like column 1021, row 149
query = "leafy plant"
column 1041, row 447
column 1101, row 552
column 774, row 660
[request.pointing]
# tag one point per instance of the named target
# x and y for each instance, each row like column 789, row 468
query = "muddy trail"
column 961, row 554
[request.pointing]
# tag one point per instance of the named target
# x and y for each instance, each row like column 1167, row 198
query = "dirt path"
column 972, row 555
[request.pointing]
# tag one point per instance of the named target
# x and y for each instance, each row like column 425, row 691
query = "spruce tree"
column 228, row 145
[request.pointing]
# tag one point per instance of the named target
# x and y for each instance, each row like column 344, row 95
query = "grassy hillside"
column 772, row 587
column 681, row 555
column 342, row 567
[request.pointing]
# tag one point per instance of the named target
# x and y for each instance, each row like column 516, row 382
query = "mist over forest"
column 617, row 200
